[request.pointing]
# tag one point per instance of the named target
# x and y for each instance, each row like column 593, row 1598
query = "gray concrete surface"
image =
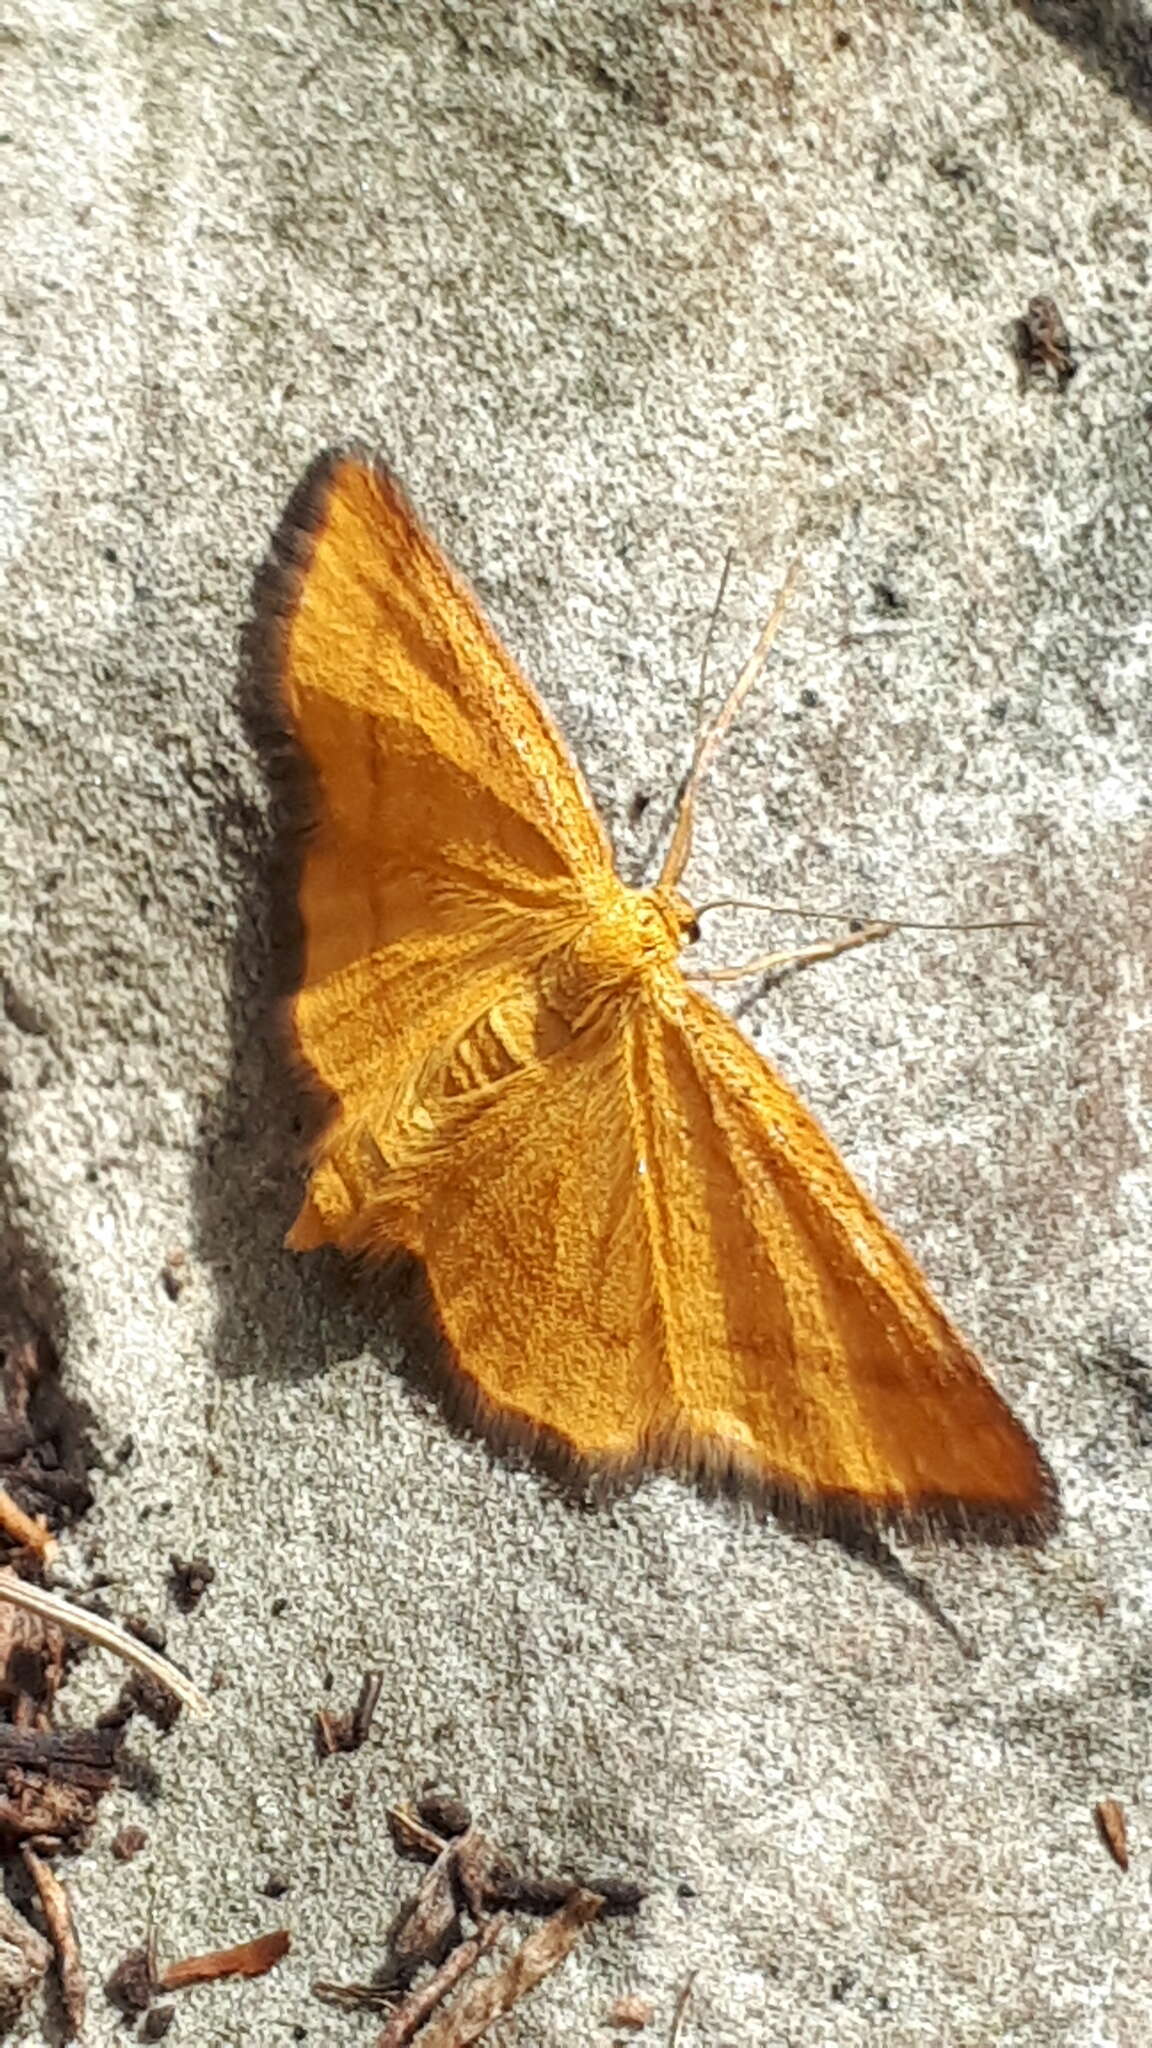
column 613, row 286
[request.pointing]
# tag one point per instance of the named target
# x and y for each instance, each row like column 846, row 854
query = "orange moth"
column 640, row 1247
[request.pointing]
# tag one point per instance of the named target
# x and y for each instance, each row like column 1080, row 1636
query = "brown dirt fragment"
column 132, row 1985
column 128, row 1843
column 445, row 1816
column 188, row 1580
column 33, row 1652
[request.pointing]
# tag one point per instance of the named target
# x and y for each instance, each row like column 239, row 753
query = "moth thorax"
column 636, row 930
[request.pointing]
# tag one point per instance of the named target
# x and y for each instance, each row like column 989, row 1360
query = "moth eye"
column 692, row 932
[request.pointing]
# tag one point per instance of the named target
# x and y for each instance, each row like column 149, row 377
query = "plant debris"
column 337, row 1734
column 189, row 1580
column 419, row 2006
column 1112, row 1822
column 51, row 1780
column 432, row 1952
column 96, row 1628
column 26, row 1533
column 504, row 1888
column 1043, row 349
column 538, row 1955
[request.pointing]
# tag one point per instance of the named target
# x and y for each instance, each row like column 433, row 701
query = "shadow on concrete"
column 1110, row 39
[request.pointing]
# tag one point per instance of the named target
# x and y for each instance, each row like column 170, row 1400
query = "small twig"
column 681, row 2008
column 355, row 1997
column 534, row 1960
column 508, row 1891
column 57, row 1910
column 410, row 2017
column 366, row 1705
column 28, row 1531
column 339, row 1734
column 78, row 1756
column 410, row 1835
column 95, row 1628
column 248, row 1959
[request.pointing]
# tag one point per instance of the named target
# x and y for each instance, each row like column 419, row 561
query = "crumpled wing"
column 645, row 1252
column 450, row 829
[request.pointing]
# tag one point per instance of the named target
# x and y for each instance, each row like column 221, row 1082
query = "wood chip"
column 507, row 1891
column 57, row 1910
column 248, row 1959
column 504, row 1889
column 534, row 1960
column 1112, row 1822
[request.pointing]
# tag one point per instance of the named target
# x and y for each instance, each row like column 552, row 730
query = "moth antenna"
column 713, row 618
column 680, row 845
column 794, row 958
column 912, row 924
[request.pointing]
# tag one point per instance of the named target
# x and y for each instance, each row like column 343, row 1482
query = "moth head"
column 679, row 915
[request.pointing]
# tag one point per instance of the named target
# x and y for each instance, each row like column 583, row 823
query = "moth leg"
column 805, row 956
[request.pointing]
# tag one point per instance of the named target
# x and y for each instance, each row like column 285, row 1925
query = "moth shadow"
column 1111, row 42
column 278, row 1316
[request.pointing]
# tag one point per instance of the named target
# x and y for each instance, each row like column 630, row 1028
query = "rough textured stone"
column 613, row 286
